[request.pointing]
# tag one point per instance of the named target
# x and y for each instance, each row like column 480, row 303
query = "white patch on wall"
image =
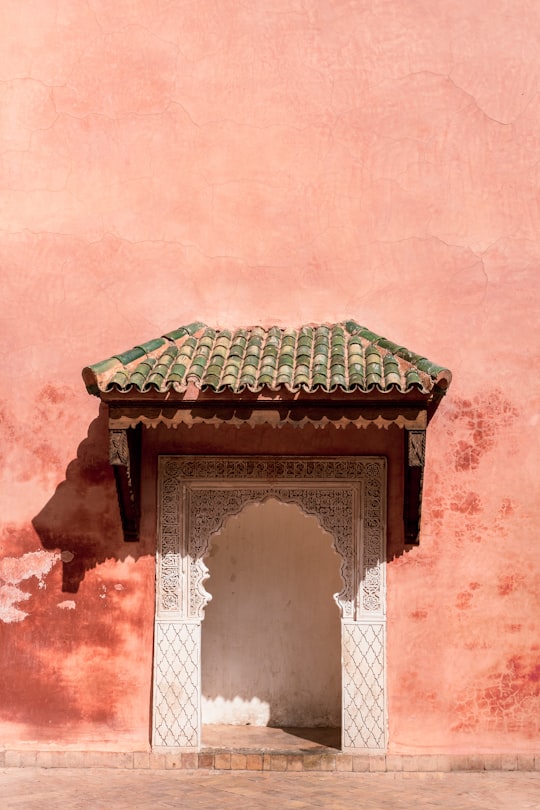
column 234, row 712
column 16, row 570
column 67, row 604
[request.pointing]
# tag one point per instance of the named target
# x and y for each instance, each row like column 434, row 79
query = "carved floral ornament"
column 199, row 493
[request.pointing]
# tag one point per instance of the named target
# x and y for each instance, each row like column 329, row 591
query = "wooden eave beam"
column 125, row 458
column 413, row 479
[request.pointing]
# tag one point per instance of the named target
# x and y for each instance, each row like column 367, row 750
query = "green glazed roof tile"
column 325, row 357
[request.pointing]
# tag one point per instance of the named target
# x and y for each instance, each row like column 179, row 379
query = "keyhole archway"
column 197, row 494
column 271, row 645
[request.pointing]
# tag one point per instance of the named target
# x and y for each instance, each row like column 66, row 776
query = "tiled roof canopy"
column 325, row 358
column 341, row 374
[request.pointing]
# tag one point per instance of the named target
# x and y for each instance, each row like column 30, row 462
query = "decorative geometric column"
column 177, row 684
column 196, row 496
column 364, row 716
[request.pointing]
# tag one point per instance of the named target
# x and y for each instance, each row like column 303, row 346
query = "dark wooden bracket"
column 125, row 458
column 415, row 452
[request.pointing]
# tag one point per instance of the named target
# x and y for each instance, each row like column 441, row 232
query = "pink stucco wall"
column 271, row 161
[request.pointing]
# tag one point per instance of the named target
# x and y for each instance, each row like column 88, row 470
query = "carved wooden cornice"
column 125, row 458
column 411, row 415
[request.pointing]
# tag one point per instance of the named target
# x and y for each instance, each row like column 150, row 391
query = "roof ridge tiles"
column 302, row 375
column 327, row 357
column 287, row 352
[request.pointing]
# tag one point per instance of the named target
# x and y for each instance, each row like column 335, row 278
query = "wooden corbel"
column 125, row 456
column 415, row 451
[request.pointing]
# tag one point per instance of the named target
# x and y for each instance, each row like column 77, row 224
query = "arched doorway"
column 197, row 494
column 271, row 635
column 319, row 377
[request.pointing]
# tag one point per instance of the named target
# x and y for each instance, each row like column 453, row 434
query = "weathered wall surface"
column 275, row 161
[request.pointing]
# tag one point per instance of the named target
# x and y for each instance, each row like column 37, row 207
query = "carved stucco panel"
column 209, row 508
column 363, row 693
column 177, row 680
column 181, row 569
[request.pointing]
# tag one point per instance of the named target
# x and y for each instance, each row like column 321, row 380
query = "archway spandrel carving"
column 210, row 508
column 235, row 482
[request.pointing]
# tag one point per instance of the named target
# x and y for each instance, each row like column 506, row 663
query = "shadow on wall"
column 82, row 518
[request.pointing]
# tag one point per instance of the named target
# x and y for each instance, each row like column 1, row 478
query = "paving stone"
column 205, row 761
column 344, row 762
column 238, row 762
column 328, row 762
column 254, row 762
column 468, row 762
column 360, row 764
column 31, row 788
column 429, row 762
column 157, row 761
column 19, row 759
column 278, row 762
column 509, row 762
column 394, row 763
column 222, row 762
column 190, row 761
column 525, row 762
column 312, row 762
column 141, row 759
column 377, row 763
column 295, row 762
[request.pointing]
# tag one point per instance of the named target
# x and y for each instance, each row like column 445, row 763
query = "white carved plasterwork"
column 347, row 495
column 170, row 553
column 363, row 703
column 177, row 684
column 210, row 507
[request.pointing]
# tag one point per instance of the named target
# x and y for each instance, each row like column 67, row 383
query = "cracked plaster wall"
column 278, row 161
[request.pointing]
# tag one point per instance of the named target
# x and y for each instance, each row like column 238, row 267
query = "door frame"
column 196, row 494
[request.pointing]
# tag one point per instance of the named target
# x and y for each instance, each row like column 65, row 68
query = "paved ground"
column 100, row 789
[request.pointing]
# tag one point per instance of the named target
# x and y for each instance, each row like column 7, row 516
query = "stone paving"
column 102, row 789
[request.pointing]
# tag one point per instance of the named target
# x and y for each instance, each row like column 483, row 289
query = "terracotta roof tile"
column 343, row 356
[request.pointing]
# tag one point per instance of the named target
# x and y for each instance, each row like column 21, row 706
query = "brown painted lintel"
column 404, row 415
column 125, row 458
column 413, row 478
